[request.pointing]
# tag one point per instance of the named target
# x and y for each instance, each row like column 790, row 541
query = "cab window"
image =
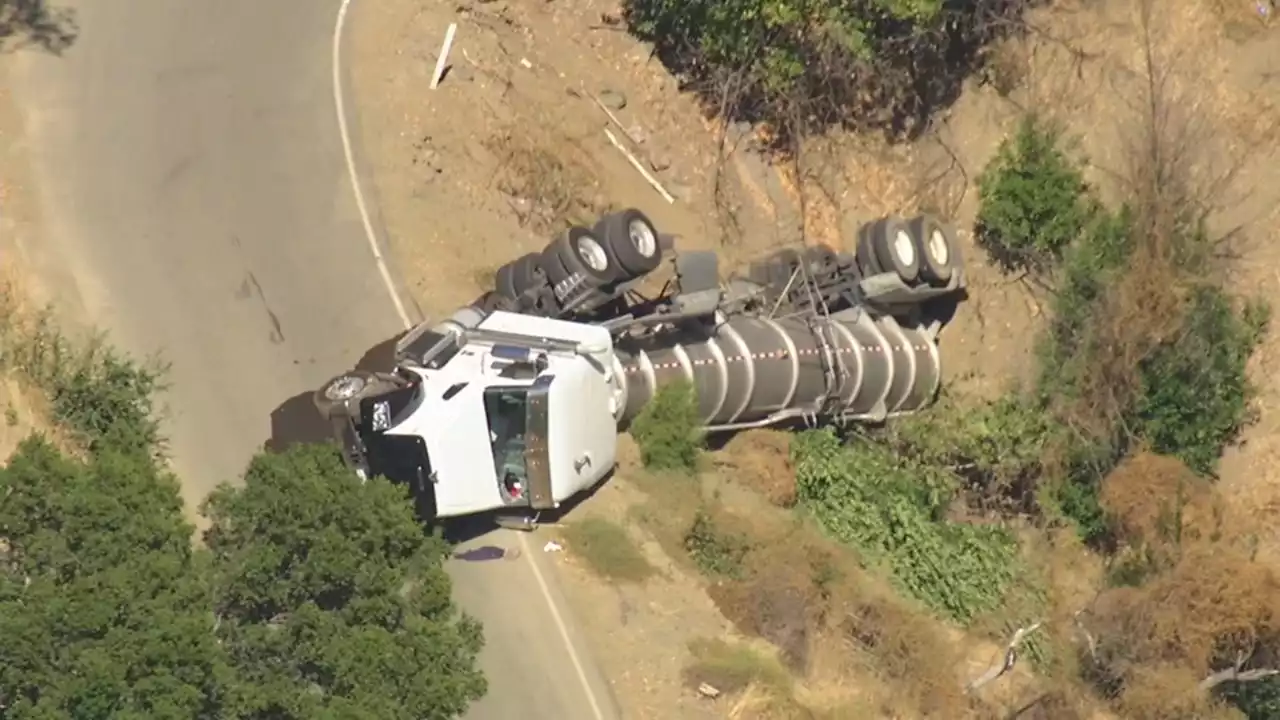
column 505, row 409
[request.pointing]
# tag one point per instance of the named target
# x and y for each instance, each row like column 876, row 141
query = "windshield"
column 506, row 411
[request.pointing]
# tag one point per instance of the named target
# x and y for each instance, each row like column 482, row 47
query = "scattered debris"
column 635, row 163
column 444, row 55
column 600, row 103
column 611, row 100
column 552, row 546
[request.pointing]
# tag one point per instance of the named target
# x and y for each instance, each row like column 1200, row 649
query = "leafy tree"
column 1034, row 200
column 331, row 599
column 873, row 63
column 104, row 609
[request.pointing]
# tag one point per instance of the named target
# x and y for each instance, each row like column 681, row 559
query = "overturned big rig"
column 513, row 404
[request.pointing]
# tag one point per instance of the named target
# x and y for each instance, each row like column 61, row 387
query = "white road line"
column 384, row 271
column 340, row 105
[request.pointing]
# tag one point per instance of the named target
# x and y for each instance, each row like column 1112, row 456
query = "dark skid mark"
column 277, row 334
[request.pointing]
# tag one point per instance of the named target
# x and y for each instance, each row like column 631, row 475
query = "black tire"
column 504, row 281
column 584, row 253
column 632, row 242
column 491, row 301
column 527, row 273
column 936, row 247
column 866, row 254
column 553, row 266
column 332, row 399
column 894, row 248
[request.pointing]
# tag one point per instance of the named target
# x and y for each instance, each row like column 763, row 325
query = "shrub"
column 716, row 550
column 1195, row 392
column 996, row 448
column 1034, row 202
column 868, row 63
column 894, row 511
column 668, row 429
column 104, row 397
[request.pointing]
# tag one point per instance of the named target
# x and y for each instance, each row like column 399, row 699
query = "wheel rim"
column 642, row 237
column 904, row 248
column 344, row 388
column 593, row 254
column 938, row 247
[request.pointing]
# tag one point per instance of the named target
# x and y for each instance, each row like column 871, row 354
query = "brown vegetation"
column 1199, row 609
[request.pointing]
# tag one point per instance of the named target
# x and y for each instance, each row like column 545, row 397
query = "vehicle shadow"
column 297, row 422
column 457, row 531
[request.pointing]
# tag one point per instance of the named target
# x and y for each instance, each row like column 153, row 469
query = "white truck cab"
column 514, row 412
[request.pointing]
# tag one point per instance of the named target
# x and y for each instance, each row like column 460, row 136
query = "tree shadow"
column 26, row 23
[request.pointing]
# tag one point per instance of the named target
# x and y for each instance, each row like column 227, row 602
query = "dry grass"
column 608, row 550
column 1203, row 603
column 760, row 460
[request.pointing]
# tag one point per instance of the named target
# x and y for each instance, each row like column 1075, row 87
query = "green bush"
column 868, row 63
column 1195, row 392
column 668, row 429
column 714, row 549
column 997, row 448
column 894, row 511
column 1034, row 202
column 1258, row 700
column 107, row 399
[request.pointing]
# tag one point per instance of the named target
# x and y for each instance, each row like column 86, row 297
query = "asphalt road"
column 196, row 203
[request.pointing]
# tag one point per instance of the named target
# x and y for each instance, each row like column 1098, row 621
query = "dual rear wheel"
column 622, row 246
column 922, row 249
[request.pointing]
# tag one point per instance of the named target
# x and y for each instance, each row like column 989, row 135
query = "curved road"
column 196, row 202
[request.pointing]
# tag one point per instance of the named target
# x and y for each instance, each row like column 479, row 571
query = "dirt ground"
column 512, row 146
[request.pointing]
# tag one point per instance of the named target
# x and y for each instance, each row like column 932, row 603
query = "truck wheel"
column 582, row 252
column 527, row 273
column 504, row 281
column 553, row 266
column 492, row 301
column 936, row 246
column 895, row 250
column 341, row 395
column 866, row 254
column 632, row 242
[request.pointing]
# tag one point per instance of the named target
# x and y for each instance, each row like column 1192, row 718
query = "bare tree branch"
column 1010, row 659
column 1236, row 673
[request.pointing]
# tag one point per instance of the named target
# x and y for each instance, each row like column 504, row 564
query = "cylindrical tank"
column 750, row 369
